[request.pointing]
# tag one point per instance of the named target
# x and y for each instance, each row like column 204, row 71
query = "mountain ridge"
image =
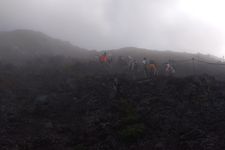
column 22, row 44
column 28, row 43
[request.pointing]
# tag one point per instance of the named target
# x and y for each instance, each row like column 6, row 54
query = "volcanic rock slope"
column 56, row 105
column 111, row 113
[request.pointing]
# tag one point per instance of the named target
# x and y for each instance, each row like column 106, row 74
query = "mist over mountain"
column 62, row 97
column 161, row 56
column 25, row 44
column 112, row 75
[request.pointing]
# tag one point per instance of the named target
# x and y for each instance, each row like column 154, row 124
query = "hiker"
column 144, row 63
column 133, row 65
column 130, row 63
column 133, row 69
column 151, row 68
column 103, row 58
column 110, row 59
column 96, row 58
column 169, row 69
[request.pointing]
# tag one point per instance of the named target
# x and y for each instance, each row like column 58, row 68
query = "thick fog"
column 181, row 25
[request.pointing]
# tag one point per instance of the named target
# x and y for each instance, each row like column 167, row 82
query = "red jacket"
column 103, row 58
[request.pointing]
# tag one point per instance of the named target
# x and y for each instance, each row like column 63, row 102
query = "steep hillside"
column 49, row 104
column 26, row 45
column 53, row 109
column 23, row 44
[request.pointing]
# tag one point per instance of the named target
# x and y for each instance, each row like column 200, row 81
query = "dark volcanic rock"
column 58, row 109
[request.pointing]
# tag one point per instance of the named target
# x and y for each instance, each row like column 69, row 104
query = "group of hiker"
column 149, row 67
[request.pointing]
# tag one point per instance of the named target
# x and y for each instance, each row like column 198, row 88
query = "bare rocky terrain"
column 53, row 108
column 55, row 102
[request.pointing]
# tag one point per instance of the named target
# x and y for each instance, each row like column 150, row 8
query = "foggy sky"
column 181, row 25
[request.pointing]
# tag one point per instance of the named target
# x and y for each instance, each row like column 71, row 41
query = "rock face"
column 56, row 109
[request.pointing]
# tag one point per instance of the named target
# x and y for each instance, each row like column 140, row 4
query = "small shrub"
column 132, row 133
column 80, row 147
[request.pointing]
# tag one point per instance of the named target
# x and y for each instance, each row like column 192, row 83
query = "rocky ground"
column 55, row 109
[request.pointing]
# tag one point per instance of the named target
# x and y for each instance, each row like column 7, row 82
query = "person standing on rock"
column 105, row 63
column 103, row 58
column 130, row 63
column 144, row 63
column 133, row 68
column 169, row 69
column 152, row 69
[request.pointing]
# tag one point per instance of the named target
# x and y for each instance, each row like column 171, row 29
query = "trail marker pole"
column 193, row 65
column 198, row 62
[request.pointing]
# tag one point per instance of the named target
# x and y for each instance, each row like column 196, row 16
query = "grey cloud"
column 106, row 24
